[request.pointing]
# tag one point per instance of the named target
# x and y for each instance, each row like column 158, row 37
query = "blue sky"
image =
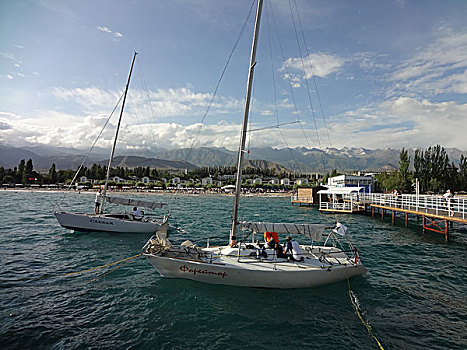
column 388, row 73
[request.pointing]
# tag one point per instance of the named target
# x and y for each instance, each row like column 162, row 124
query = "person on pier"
column 448, row 196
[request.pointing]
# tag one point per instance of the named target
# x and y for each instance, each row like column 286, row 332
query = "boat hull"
column 286, row 275
column 103, row 223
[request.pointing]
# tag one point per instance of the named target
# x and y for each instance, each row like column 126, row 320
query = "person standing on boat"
column 97, row 201
column 293, row 250
column 137, row 214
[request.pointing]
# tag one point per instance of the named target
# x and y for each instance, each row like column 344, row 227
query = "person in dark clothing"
column 279, row 251
column 293, row 250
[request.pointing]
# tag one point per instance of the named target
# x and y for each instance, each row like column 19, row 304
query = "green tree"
column 53, row 174
column 20, row 171
column 404, row 174
column 325, row 179
column 463, row 173
column 28, row 173
column 432, row 168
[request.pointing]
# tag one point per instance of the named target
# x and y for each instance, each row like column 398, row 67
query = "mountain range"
column 285, row 159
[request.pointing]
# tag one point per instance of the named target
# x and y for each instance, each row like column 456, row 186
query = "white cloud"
column 8, row 55
column 402, row 122
column 104, row 29
column 318, row 64
column 89, row 99
column 399, row 122
column 149, row 105
column 437, row 68
column 143, row 109
column 370, row 62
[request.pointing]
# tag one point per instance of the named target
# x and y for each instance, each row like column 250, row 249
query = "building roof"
column 341, row 190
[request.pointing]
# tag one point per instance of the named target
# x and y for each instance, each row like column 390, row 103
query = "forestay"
column 134, row 202
column 313, row 231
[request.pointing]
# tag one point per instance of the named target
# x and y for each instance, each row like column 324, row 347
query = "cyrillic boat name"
column 102, row 222
column 185, row 268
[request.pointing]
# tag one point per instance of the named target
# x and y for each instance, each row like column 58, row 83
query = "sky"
column 362, row 73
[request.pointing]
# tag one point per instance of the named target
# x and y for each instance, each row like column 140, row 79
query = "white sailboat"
column 116, row 222
column 253, row 264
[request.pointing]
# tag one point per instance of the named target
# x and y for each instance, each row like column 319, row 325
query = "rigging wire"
column 219, row 81
column 149, row 104
column 273, row 126
column 313, row 74
column 274, row 84
column 306, row 81
column 289, row 83
column 89, row 152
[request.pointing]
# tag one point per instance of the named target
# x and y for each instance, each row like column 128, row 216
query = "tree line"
column 431, row 167
column 25, row 174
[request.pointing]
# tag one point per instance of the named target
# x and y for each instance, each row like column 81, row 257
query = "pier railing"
column 438, row 205
column 429, row 204
column 346, row 206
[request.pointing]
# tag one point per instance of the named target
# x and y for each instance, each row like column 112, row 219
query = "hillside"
column 136, row 161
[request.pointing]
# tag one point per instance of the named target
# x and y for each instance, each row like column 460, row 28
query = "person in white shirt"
column 448, row 196
column 293, row 250
column 97, row 201
column 137, row 214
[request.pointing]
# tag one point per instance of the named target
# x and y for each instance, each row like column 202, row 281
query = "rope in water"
column 83, row 271
column 357, row 311
column 107, row 272
column 99, row 267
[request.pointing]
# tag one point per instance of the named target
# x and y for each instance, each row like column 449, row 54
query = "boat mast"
column 116, row 134
column 241, row 149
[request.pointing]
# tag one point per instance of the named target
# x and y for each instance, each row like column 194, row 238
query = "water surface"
column 413, row 295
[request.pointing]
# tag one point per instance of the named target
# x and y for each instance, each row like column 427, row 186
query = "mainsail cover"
column 134, row 202
column 313, row 231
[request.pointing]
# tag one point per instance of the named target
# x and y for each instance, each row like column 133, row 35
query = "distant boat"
column 116, row 222
column 255, row 264
column 228, row 188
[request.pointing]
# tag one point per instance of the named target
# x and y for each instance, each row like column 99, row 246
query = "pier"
column 437, row 213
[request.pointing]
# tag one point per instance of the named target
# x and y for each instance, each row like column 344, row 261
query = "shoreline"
column 150, row 192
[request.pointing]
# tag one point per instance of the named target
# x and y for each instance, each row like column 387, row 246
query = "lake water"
column 414, row 295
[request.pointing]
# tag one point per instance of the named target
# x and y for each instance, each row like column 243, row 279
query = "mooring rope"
column 82, row 271
column 107, row 272
column 353, row 299
column 99, row 267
